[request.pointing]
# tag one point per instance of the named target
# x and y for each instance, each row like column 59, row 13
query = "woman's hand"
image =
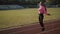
column 48, row 14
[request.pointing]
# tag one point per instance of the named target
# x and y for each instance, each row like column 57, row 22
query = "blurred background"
column 14, row 13
column 13, row 4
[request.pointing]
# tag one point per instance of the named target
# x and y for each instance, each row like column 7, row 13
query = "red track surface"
column 51, row 28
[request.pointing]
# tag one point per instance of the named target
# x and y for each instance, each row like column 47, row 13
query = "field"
column 11, row 18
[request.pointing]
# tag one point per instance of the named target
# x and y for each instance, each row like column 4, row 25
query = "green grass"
column 10, row 18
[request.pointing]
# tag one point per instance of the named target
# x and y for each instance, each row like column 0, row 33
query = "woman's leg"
column 41, row 20
column 41, row 17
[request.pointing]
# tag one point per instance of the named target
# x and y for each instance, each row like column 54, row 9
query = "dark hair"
column 42, row 3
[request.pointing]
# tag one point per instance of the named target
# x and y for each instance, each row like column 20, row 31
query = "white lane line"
column 49, row 30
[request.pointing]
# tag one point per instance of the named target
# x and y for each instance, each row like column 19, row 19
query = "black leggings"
column 41, row 17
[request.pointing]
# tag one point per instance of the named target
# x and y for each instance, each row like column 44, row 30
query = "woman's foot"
column 43, row 29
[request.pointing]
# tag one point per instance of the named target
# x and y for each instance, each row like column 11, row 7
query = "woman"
column 41, row 11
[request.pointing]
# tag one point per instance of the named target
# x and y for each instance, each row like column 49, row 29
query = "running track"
column 53, row 27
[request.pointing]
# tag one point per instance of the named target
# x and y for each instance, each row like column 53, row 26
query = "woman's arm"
column 46, row 11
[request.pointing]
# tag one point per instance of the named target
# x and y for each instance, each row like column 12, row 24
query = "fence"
column 24, row 6
column 10, row 7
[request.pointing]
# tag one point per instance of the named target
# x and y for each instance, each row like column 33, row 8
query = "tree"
column 53, row 2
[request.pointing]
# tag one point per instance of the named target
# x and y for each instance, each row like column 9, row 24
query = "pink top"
column 42, row 10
